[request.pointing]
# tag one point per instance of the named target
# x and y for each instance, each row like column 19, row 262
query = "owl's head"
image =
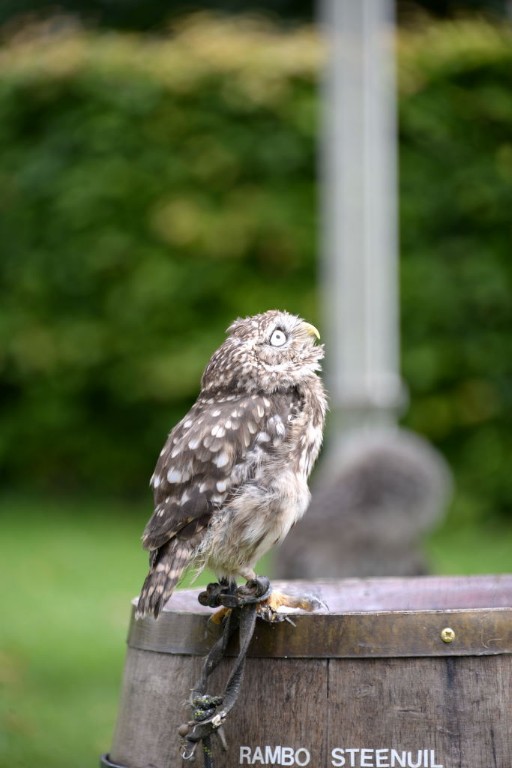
column 270, row 352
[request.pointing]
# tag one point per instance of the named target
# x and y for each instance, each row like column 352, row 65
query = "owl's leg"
column 227, row 586
column 249, row 574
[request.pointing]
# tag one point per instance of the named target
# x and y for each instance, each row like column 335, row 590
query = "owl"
column 232, row 477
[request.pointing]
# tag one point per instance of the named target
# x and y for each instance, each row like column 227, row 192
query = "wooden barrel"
column 398, row 673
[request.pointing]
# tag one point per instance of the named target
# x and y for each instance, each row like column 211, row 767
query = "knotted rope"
column 209, row 712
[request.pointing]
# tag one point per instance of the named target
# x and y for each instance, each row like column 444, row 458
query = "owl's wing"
column 208, row 456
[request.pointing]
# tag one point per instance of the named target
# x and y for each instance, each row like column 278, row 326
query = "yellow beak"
column 311, row 330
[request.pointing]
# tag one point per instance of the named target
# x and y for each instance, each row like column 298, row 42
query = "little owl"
column 231, row 479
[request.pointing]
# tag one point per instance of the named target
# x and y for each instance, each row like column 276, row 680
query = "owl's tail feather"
column 167, row 567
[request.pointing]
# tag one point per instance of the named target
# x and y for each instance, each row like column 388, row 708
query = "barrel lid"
column 391, row 617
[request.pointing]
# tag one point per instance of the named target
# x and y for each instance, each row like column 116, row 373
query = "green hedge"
column 153, row 190
column 456, row 239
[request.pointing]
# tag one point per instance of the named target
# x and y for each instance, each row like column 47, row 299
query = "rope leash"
column 209, row 712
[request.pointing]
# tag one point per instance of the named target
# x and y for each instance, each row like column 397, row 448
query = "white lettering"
column 273, row 757
column 382, row 758
column 352, row 753
column 337, row 757
column 341, row 757
column 305, row 760
column 287, row 756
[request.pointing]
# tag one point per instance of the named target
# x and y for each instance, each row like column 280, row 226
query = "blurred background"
column 158, row 178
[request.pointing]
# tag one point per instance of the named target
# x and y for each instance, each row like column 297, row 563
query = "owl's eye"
column 278, row 338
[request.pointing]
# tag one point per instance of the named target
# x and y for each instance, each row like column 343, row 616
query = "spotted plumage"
column 232, row 477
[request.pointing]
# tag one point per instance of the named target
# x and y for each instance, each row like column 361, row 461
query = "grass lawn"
column 459, row 550
column 69, row 570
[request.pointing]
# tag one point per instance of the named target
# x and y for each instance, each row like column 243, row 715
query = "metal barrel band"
column 106, row 762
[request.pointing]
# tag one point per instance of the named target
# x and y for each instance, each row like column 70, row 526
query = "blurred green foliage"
column 456, row 238
column 151, row 191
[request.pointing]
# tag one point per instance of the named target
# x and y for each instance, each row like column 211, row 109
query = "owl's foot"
column 271, row 606
column 256, row 590
column 278, row 606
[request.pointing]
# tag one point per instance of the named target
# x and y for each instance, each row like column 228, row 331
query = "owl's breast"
column 288, row 496
column 258, row 518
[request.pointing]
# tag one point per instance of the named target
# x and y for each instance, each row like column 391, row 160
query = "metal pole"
column 359, row 191
column 359, row 490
